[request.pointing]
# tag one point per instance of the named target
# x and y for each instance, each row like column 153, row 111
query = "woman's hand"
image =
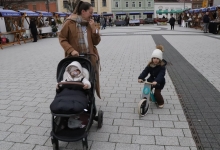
column 86, row 86
column 92, row 24
column 75, row 53
column 154, row 83
column 140, row 81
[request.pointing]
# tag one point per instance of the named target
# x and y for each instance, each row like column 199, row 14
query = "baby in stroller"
column 72, row 99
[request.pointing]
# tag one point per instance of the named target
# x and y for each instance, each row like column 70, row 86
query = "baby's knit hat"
column 157, row 53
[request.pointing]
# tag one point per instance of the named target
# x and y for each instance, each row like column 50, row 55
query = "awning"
column 204, row 9
column 95, row 15
column 159, row 12
column 191, row 11
column 9, row 13
column 45, row 14
column 179, row 11
column 108, row 14
column 120, row 13
column 212, row 8
column 172, row 11
column 148, row 12
column 196, row 10
column 29, row 13
column 134, row 13
column 61, row 14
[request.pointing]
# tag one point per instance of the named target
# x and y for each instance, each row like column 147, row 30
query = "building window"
column 103, row 3
column 139, row 4
column 116, row 4
column 93, row 3
column 149, row 4
column 133, row 4
column 34, row 7
column 65, row 4
column 126, row 5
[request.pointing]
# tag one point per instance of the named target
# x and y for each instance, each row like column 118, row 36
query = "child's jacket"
column 157, row 74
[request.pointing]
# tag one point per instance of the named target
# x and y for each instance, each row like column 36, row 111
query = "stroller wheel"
column 100, row 118
column 55, row 143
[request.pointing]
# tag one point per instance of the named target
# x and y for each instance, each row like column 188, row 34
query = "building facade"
column 99, row 6
column 133, row 7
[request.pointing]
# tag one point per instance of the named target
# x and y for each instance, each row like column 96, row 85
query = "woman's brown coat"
column 68, row 38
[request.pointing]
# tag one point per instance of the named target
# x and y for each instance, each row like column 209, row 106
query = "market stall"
column 44, row 22
column 59, row 18
column 10, row 26
column 119, row 21
column 161, row 21
column 25, row 22
column 134, row 21
column 214, row 25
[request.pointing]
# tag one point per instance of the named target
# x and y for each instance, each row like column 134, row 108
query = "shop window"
column 133, row 4
column 103, row 3
column 93, row 3
column 139, row 4
column 126, row 4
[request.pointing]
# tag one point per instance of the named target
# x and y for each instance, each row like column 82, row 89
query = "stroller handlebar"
column 70, row 83
column 84, row 54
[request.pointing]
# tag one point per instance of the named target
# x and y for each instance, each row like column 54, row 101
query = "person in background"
column 206, row 21
column 172, row 22
column 33, row 29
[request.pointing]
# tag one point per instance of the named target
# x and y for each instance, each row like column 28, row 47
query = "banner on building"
column 205, row 3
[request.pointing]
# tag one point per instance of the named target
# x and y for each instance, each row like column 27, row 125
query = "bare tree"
column 72, row 4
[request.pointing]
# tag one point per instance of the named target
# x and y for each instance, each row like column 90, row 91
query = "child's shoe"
column 160, row 106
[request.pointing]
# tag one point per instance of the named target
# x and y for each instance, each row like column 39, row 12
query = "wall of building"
column 41, row 6
column 127, row 6
column 216, row 2
column 169, row 6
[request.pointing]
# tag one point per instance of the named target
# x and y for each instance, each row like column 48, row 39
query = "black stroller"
column 60, row 131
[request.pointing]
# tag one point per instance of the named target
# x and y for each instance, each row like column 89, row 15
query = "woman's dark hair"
column 83, row 6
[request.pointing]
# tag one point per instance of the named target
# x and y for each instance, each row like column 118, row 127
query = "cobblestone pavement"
column 27, row 87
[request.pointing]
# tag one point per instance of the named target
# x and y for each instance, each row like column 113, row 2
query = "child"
column 75, row 72
column 156, row 68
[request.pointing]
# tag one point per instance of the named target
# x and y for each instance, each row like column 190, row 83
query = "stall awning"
column 29, row 13
column 148, row 12
column 108, row 14
column 212, row 8
column 191, row 11
column 9, row 13
column 95, row 15
column 134, row 13
column 179, row 11
column 204, row 9
column 61, row 14
column 172, row 11
column 120, row 13
column 196, row 10
column 45, row 14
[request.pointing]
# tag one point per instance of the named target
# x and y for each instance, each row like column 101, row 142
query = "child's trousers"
column 158, row 97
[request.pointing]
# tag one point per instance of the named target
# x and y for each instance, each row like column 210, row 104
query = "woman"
column 33, row 28
column 80, row 35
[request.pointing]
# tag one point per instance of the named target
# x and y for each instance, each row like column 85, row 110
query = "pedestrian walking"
column 172, row 22
column 33, row 29
column 206, row 21
column 80, row 35
column 156, row 69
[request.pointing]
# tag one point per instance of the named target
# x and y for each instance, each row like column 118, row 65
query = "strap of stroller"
column 82, row 79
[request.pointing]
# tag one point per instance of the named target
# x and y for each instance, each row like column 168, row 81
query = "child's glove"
column 140, row 81
column 86, row 86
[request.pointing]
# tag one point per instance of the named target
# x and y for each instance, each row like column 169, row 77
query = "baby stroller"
column 60, row 125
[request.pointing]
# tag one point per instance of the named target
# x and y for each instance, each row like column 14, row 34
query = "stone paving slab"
column 195, row 93
column 27, row 87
